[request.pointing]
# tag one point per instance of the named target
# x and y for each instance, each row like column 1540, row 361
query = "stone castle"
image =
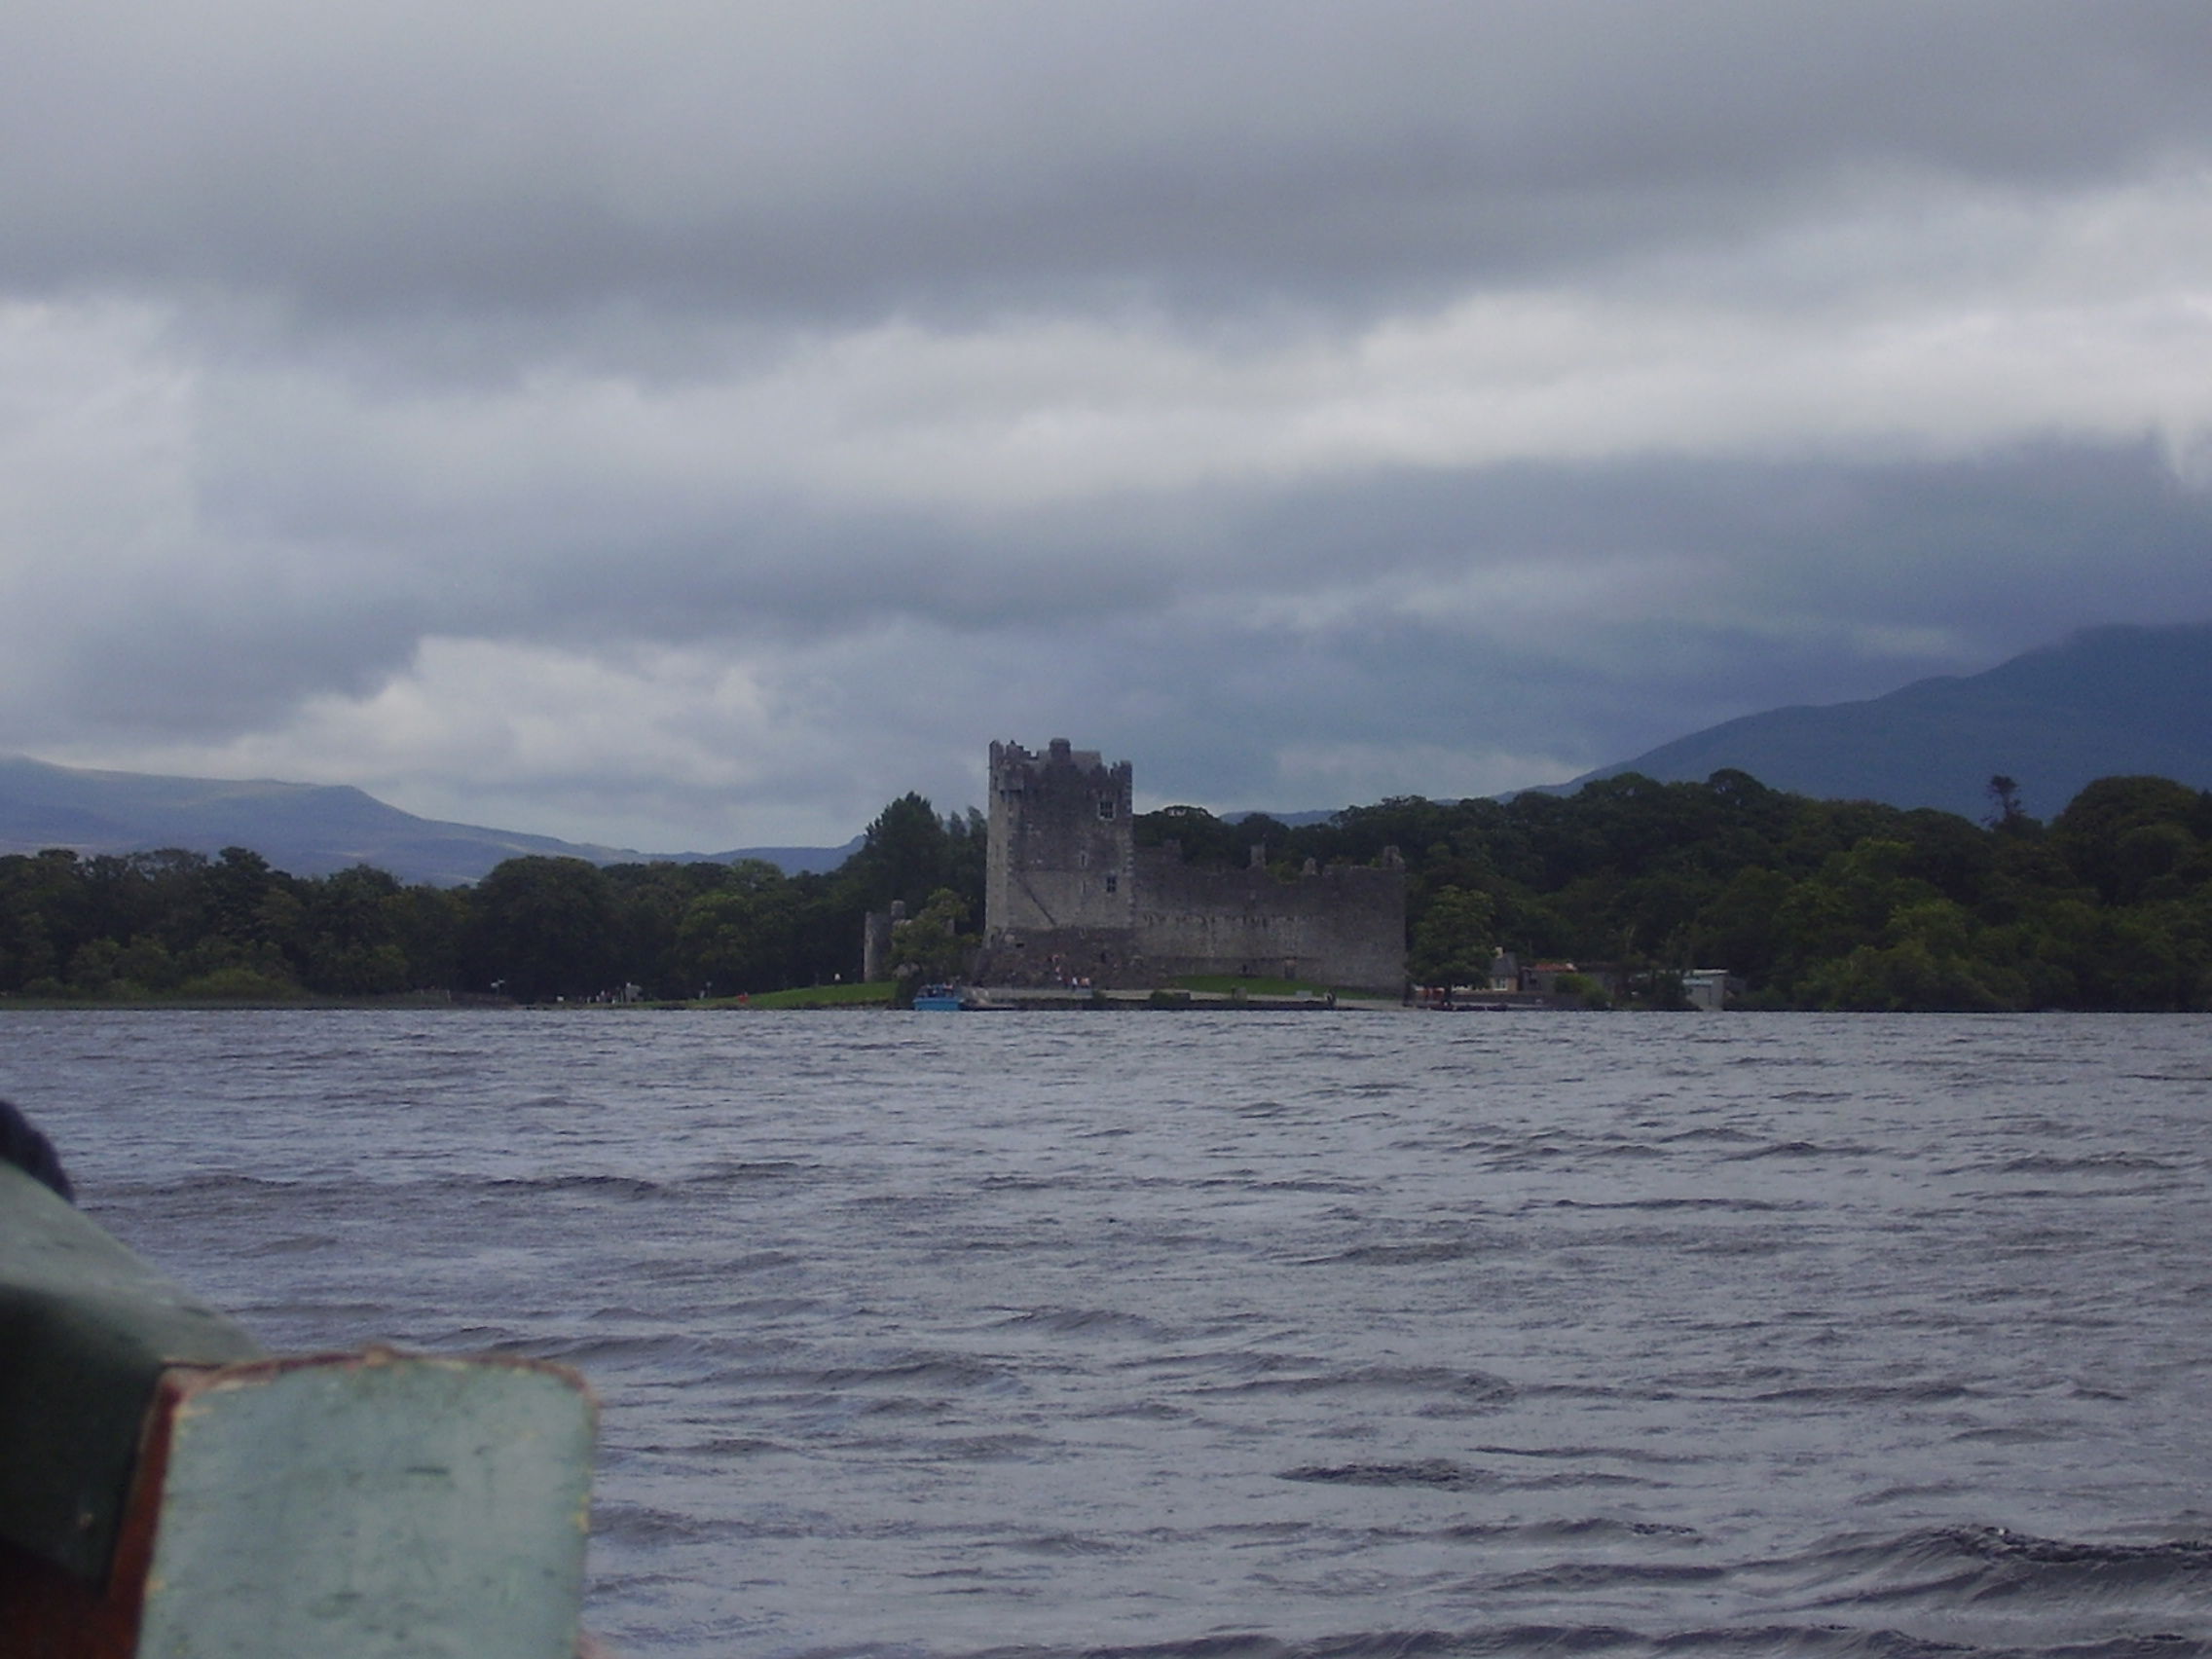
column 1071, row 898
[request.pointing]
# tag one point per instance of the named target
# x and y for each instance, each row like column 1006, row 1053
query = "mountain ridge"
column 2121, row 698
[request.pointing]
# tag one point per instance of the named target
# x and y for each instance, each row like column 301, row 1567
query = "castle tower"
column 1062, row 842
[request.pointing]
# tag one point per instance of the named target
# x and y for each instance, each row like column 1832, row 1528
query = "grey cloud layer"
column 1449, row 598
column 832, row 160
column 689, row 426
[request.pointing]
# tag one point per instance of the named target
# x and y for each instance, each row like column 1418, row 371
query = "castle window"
column 1105, row 806
column 1112, row 883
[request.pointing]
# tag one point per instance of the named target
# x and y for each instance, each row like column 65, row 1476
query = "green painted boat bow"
column 169, row 1491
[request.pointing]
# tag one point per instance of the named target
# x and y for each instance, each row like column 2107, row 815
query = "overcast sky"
column 690, row 426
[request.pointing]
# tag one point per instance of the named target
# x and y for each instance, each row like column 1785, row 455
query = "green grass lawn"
column 873, row 994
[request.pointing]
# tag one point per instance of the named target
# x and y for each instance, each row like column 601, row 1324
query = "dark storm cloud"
column 832, row 161
column 2081, row 531
column 1899, row 544
column 1778, row 583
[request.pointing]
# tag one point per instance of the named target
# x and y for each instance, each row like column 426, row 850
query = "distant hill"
column 2104, row 701
column 303, row 828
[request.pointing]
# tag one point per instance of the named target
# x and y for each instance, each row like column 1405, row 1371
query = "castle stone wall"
column 1069, row 897
column 1341, row 926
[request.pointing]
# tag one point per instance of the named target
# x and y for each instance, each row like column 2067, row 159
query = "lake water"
column 1236, row 1336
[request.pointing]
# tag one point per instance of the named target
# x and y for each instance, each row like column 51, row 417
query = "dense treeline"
column 1813, row 904
column 535, row 929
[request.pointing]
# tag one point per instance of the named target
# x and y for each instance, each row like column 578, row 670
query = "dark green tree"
column 905, row 855
column 2120, row 834
column 743, row 936
column 930, row 945
column 543, row 928
column 1454, row 939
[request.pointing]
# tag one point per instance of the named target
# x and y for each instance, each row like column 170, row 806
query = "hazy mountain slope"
column 2105, row 701
column 306, row 829
column 791, row 860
